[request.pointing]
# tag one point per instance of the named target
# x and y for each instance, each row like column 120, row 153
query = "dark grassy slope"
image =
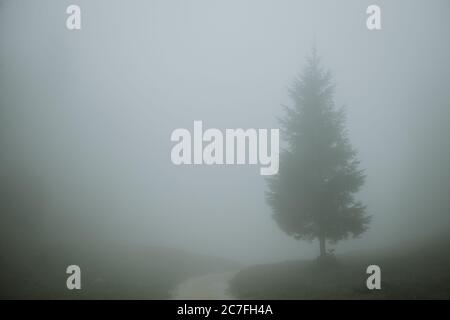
column 110, row 273
column 420, row 273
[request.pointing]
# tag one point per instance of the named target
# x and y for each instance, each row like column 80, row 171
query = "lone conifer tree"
column 313, row 194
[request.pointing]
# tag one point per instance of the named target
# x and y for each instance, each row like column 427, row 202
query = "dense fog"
column 86, row 118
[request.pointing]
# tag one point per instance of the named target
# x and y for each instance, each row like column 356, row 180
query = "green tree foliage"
column 313, row 194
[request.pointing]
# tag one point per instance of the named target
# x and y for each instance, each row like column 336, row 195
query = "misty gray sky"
column 91, row 112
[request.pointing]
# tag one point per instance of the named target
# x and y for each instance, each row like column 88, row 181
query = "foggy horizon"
column 87, row 116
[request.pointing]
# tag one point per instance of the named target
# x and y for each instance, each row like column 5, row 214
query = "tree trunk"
column 323, row 250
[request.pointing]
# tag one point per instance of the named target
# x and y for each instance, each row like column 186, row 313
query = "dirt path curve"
column 213, row 286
